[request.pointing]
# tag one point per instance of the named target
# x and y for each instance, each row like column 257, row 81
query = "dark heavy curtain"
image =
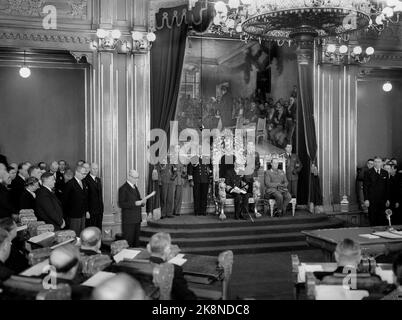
column 308, row 140
column 167, row 58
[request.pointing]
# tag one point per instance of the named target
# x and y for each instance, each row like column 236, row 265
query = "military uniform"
column 179, row 173
column 232, row 181
column 199, row 174
column 166, row 189
column 276, row 187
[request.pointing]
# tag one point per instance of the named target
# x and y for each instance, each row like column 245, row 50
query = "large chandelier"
column 282, row 20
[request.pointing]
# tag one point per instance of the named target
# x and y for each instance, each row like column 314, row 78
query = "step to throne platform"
column 210, row 236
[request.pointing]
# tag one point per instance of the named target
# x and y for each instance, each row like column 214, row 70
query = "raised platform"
column 209, row 236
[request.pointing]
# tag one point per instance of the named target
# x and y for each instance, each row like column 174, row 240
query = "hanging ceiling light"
column 25, row 72
column 387, row 87
column 281, row 20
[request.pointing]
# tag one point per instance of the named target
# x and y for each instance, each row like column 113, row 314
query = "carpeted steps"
column 209, row 236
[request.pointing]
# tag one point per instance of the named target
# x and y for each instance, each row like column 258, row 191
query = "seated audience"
column 17, row 260
column 276, row 186
column 120, row 287
column 5, row 248
column 6, row 207
column 397, row 269
column 66, row 260
column 28, row 197
column 48, row 206
column 160, row 248
column 91, row 241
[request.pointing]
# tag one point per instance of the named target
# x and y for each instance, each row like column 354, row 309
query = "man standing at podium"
column 131, row 203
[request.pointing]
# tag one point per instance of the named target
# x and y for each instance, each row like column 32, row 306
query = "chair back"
column 65, row 235
column 261, row 125
column 91, row 265
column 225, row 261
column 118, row 246
column 44, row 228
column 163, row 279
column 33, row 227
column 38, row 255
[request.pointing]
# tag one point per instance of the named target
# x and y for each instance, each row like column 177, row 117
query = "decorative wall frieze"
column 73, row 9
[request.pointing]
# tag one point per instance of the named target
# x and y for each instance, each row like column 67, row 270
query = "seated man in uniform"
column 120, row 287
column 160, row 248
column 276, row 187
column 91, row 241
column 5, row 248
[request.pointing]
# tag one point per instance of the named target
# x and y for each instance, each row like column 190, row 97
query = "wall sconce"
column 142, row 42
column 108, row 40
column 345, row 54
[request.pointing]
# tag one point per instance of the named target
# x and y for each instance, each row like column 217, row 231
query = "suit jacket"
column 3, row 160
column 128, row 196
column 376, row 186
column 6, row 207
column 75, row 199
column 49, row 208
column 95, row 196
column 27, row 201
column 180, row 290
column 293, row 167
column 17, row 187
column 60, row 184
column 233, row 180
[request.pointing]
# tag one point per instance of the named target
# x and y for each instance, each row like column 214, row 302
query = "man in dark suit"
column 199, row 171
column 6, row 207
column 27, row 200
column 18, row 184
column 293, row 168
column 95, row 197
column 60, row 183
column 376, row 193
column 75, row 201
column 48, row 206
column 131, row 203
column 160, row 249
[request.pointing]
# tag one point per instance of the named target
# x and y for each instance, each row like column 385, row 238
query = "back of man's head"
column 91, row 238
column 159, row 244
column 120, row 287
column 65, row 259
column 348, row 253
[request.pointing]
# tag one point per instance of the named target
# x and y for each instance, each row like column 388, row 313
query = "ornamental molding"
column 45, row 37
column 156, row 5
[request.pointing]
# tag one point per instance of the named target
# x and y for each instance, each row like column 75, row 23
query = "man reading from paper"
column 131, row 203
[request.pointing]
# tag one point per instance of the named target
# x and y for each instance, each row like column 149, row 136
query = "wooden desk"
column 327, row 240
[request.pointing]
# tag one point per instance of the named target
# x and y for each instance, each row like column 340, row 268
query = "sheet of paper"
column 385, row 275
column 178, row 261
column 369, row 236
column 62, row 244
column 388, row 235
column 42, row 237
column 150, row 195
column 303, row 268
column 36, row 270
column 22, row 228
column 98, row 278
column 126, row 254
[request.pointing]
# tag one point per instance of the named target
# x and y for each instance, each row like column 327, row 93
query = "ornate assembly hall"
column 200, row 150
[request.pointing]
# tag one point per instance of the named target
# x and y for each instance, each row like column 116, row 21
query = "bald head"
column 133, row 177
column 120, row 287
column 348, row 253
column 65, row 259
column 91, row 239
